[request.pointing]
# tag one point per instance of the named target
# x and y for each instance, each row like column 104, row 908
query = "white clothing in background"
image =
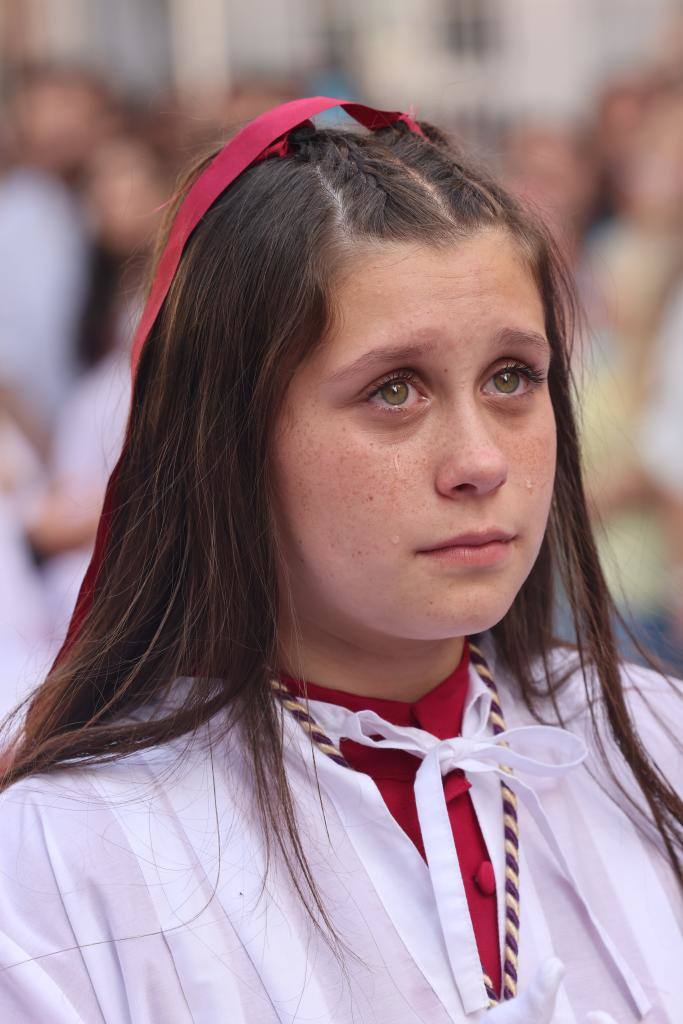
column 21, row 470
column 90, row 429
column 134, row 892
column 44, row 260
column 87, row 443
column 24, row 652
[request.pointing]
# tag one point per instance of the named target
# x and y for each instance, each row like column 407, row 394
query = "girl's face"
column 421, row 429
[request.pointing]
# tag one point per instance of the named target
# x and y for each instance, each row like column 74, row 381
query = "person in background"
column 621, row 109
column 635, row 261
column 553, row 169
column 660, row 444
column 58, row 115
column 55, row 118
column 124, row 187
column 24, row 619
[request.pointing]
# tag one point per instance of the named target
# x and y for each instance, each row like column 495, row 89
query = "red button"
column 485, row 880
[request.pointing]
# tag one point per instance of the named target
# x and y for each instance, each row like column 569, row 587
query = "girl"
column 288, row 765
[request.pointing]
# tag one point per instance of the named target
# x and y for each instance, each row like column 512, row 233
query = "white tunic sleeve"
column 79, row 938
column 134, row 894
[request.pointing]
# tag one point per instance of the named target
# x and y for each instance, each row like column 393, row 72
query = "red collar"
column 438, row 712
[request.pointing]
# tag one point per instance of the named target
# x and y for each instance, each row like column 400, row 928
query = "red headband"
column 262, row 137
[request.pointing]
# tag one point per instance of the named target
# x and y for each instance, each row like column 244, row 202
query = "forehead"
column 469, row 290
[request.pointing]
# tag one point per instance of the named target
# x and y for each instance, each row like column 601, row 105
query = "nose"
column 474, row 460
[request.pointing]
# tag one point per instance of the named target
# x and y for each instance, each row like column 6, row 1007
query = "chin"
column 484, row 605
column 465, row 620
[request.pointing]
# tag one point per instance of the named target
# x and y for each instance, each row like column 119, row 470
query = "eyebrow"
column 379, row 356
column 405, row 353
column 532, row 339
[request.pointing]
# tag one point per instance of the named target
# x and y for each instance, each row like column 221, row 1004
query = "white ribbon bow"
column 477, row 753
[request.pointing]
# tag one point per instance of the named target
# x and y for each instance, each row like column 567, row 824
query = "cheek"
column 338, row 492
column 534, row 460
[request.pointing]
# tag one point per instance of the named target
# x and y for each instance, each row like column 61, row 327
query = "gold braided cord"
column 490, row 991
column 306, row 720
column 510, row 823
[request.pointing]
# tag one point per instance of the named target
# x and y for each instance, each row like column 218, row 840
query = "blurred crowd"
column 612, row 192
column 84, row 177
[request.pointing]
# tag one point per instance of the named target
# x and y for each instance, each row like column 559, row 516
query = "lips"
column 474, row 539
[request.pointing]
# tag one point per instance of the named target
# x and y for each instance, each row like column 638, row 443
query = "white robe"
column 135, row 892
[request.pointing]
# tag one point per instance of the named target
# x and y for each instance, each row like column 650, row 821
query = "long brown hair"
column 188, row 586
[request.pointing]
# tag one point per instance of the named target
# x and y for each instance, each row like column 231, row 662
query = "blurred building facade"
column 468, row 60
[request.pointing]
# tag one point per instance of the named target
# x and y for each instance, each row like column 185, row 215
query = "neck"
column 377, row 666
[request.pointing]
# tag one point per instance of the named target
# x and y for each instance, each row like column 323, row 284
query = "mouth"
column 488, row 547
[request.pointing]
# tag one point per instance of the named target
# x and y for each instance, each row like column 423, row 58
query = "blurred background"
column 576, row 104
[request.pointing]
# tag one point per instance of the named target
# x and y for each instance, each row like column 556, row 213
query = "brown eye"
column 395, row 392
column 507, row 381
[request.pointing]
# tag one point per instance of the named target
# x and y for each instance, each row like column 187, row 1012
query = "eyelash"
column 534, row 377
column 398, row 376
